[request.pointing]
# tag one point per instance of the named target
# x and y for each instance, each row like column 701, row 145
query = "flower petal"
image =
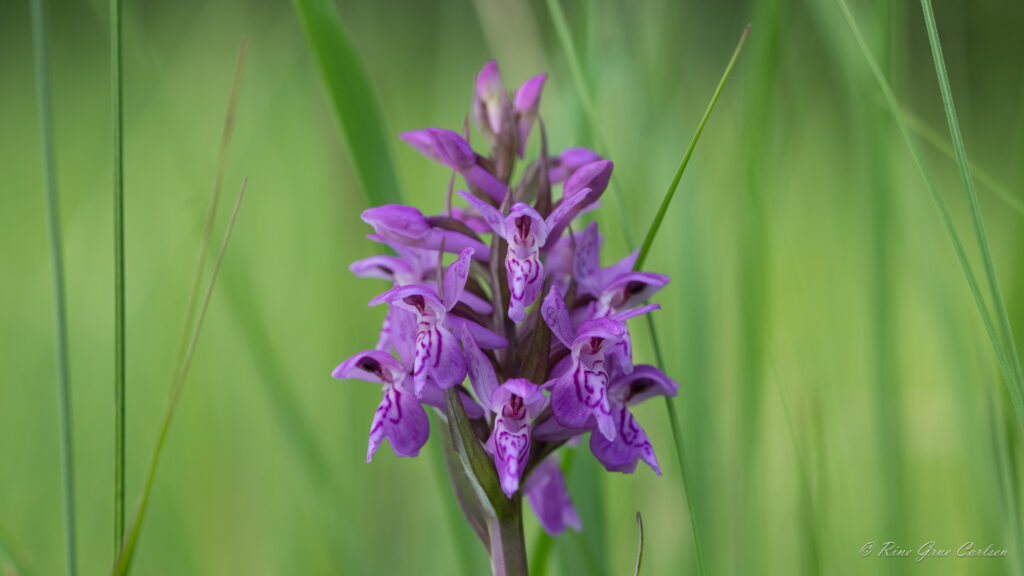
column 556, row 314
column 525, row 283
column 489, row 213
column 439, row 356
column 401, row 419
column 371, row 366
column 422, row 141
column 586, row 263
column 630, row 444
column 510, row 442
column 455, row 278
column 526, row 104
column 645, row 381
column 569, row 161
column 484, row 337
column 579, row 395
column 432, row 395
column 481, row 371
column 549, row 498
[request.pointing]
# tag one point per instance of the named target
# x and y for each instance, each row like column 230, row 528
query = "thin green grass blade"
column 930, row 135
column 972, row 197
column 580, row 80
column 211, row 209
column 116, row 85
column 353, row 99
column 123, row 563
column 640, row 544
column 940, row 205
column 652, row 231
column 42, row 65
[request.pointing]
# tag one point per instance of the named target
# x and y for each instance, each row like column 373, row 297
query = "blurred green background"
column 837, row 385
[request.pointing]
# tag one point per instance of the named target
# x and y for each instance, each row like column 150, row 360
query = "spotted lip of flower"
column 516, row 402
column 630, row 443
column 448, row 148
column 526, row 233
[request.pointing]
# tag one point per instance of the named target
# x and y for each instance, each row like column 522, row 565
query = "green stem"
column 116, row 85
column 42, row 64
column 972, row 197
column 508, row 546
column 677, row 435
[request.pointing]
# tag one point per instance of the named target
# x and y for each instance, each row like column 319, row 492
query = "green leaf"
column 353, row 99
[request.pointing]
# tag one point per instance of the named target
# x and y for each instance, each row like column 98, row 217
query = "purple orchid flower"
column 526, row 233
column 581, row 191
column 580, row 383
column 615, row 288
column 630, row 443
column 396, row 224
column 516, row 402
column 568, row 162
column 400, row 418
column 437, row 351
column 448, row 148
column 438, row 326
column 545, row 489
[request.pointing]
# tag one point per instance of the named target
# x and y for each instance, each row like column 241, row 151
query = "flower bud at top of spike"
column 489, row 102
column 527, row 103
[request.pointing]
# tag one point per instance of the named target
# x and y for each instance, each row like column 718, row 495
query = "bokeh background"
column 837, row 385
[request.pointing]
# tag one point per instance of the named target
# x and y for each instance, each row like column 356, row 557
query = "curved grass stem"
column 42, row 65
column 122, row 564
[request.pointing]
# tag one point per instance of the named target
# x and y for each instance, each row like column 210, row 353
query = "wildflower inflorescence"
column 530, row 317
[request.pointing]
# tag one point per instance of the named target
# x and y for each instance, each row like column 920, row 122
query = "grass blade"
column 124, row 558
column 972, row 197
column 353, row 99
column 652, row 231
column 640, row 544
column 660, row 216
column 576, row 68
column 940, row 206
column 42, row 65
column 930, row 135
column 116, row 85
